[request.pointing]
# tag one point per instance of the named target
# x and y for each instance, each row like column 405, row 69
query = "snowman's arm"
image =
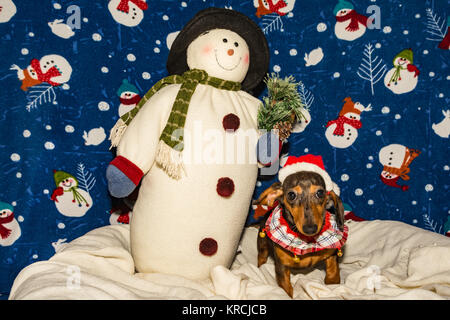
column 268, row 146
column 136, row 151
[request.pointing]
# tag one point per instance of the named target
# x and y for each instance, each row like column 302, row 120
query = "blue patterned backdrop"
column 54, row 123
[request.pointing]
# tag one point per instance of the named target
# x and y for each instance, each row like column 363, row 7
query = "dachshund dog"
column 304, row 204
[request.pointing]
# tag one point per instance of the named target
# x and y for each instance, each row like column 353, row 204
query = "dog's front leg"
column 332, row 270
column 283, row 275
column 263, row 249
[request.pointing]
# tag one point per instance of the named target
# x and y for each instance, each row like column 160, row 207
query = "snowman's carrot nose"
column 230, row 52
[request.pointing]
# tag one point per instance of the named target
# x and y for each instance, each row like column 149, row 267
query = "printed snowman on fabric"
column 403, row 77
column 280, row 7
column 343, row 131
column 128, row 12
column 350, row 25
column 129, row 97
column 9, row 227
column 7, row 10
column 396, row 160
column 52, row 69
column 170, row 145
column 70, row 200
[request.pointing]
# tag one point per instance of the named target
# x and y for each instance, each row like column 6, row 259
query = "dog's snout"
column 310, row 228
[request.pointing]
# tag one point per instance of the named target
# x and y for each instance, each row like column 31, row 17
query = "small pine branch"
column 435, row 26
column 371, row 69
column 282, row 104
column 271, row 22
column 39, row 95
column 430, row 224
column 86, row 180
column 306, row 95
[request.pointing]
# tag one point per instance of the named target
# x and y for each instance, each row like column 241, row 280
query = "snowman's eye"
column 225, row 40
column 236, row 44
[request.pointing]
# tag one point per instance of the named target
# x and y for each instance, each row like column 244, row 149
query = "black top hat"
column 218, row 18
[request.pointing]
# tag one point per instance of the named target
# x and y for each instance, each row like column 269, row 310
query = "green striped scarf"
column 171, row 144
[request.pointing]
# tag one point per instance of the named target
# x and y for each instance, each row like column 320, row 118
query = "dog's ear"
column 270, row 195
column 336, row 203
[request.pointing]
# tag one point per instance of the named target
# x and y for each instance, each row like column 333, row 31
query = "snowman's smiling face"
column 343, row 12
column 401, row 62
column 31, row 72
column 221, row 53
column 388, row 175
column 127, row 95
column 353, row 116
column 5, row 213
column 68, row 183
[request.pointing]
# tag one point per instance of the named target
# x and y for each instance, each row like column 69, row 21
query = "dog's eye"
column 320, row 194
column 291, row 195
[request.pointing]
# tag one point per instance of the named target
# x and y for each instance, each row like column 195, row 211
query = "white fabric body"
column 392, row 155
column 60, row 63
column 8, row 10
column 14, row 235
column 68, row 208
column 124, row 108
column 382, row 260
column 341, row 32
column 171, row 217
column 131, row 18
column 345, row 141
column 407, row 83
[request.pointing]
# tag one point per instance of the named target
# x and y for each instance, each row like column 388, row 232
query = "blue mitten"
column 123, row 176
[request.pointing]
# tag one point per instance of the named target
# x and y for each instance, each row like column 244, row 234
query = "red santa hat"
column 310, row 163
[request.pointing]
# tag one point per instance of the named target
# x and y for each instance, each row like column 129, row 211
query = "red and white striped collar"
column 330, row 237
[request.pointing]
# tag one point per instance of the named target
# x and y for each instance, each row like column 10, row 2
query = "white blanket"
column 382, row 260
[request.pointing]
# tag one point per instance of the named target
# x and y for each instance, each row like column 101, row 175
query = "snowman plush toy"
column 191, row 145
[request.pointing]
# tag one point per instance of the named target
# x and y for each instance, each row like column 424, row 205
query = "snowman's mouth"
column 67, row 185
column 227, row 68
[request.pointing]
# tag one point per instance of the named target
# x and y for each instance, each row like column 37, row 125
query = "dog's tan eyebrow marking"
column 298, row 189
column 313, row 188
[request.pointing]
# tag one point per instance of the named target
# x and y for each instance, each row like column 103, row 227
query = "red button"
column 231, row 122
column 208, row 246
column 225, row 187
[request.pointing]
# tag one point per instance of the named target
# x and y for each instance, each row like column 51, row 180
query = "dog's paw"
column 333, row 280
column 261, row 261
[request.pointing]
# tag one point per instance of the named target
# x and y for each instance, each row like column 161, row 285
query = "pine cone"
column 284, row 129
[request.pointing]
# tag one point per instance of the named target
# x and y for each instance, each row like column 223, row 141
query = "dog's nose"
column 310, row 228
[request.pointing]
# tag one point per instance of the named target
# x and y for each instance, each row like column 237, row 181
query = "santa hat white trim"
column 305, row 166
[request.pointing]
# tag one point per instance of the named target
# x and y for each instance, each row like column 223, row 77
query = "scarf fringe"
column 170, row 160
column 116, row 133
